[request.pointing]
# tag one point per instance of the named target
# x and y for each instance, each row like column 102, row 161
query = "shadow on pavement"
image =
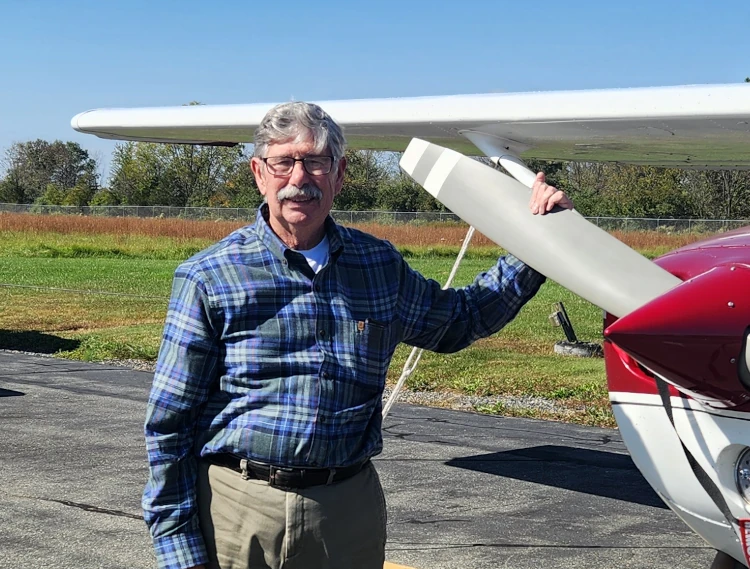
column 32, row 341
column 10, row 393
column 594, row 472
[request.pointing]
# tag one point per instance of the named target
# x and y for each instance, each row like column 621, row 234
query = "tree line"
column 63, row 173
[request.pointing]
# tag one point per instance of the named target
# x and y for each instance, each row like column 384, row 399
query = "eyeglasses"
column 313, row 165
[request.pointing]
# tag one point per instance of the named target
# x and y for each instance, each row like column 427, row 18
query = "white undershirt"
column 317, row 257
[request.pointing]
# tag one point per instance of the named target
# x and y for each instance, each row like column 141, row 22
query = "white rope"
column 416, row 353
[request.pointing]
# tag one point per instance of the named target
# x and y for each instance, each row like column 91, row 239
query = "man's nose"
column 298, row 174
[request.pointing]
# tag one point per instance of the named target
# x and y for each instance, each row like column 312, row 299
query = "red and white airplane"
column 677, row 330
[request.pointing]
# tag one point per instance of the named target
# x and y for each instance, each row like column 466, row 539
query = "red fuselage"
column 694, row 335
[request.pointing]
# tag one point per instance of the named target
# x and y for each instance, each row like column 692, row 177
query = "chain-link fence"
column 395, row 217
column 668, row 225
column 198, row 213
column 380, row 217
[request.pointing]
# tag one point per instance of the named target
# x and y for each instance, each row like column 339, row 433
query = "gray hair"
column 296, row 122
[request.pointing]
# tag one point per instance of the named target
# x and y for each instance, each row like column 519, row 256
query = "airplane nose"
column 694, row 336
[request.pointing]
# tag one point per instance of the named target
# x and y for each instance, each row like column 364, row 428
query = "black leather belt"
column 285, row 478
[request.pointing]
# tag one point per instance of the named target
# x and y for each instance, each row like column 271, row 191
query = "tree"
column 11, row 190
column 398, row 192
column 240, row 189
column 79, row 195
column 586, row 185
column 719, row 194
column 32, row 166
column 104, row 197
column 195, row 173
column 366, row 170
column 53, row 195
column 643, row 191
column 132, row 178
column 180, row 175
column 401, row 193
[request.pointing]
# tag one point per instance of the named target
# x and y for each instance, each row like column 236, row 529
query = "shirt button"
column 284, row 262
column 322, row 333
column 324, row 375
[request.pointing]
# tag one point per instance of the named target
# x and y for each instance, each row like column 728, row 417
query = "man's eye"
column 282, row 162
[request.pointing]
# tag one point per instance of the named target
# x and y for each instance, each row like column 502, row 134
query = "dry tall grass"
column 401, row 235
column 656, row 239
column 150, row 227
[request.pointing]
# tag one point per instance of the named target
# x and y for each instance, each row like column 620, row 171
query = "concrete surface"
column 463, row 490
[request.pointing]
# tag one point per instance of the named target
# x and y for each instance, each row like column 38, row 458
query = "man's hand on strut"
column 544, row 197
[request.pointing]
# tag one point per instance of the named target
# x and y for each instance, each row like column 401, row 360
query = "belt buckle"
column 275, row 480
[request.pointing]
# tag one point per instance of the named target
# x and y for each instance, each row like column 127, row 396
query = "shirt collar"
column 277, row 246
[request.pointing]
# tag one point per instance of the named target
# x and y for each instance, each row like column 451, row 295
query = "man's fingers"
column 537, row 192
column 559, row 199
column 545, row 197
column 554, row 199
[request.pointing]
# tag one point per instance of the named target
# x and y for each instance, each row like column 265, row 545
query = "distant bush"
column 104, row 197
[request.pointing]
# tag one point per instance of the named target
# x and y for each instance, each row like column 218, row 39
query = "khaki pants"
column 248, row 524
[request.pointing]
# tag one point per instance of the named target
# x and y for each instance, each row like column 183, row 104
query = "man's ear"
column 256, row 165
column 340, row 173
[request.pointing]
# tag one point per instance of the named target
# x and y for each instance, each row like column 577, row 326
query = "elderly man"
column 266, row 405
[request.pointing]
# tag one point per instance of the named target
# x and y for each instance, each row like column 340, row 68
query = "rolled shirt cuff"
column 180, row 550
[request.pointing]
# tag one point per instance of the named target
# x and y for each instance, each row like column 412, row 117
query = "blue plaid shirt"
column 264, row 359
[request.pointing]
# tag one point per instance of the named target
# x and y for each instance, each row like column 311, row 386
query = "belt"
column 285, row 478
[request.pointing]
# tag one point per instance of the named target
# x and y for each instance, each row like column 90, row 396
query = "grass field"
column 97, row 289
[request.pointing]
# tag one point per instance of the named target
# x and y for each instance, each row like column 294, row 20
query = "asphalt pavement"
column 464, row 490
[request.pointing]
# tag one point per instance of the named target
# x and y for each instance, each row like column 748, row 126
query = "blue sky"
column 61, row 58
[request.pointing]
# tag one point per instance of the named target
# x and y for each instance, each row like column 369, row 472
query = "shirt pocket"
column 372, row 348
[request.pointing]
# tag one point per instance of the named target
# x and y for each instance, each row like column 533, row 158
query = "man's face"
column 299, row 212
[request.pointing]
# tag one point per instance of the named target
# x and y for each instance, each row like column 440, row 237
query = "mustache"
column 307, row 191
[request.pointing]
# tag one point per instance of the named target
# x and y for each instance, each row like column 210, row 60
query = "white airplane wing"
column 689, row 126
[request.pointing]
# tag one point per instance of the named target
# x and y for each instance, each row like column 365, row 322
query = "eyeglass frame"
column 304, row 164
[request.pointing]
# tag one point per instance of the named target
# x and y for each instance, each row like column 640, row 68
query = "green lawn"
column 99, row 299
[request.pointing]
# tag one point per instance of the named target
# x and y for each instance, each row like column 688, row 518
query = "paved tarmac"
column 464, row 490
